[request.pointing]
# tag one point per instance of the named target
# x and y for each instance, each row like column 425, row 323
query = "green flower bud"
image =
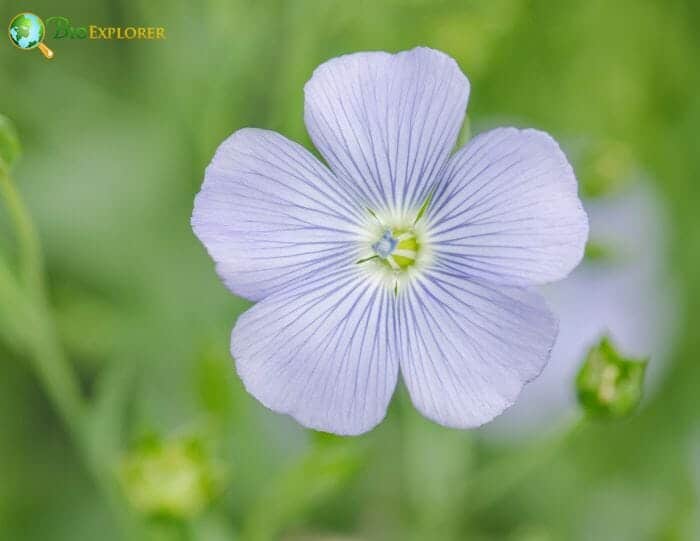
column 9, row 142
column 175, row 478
column 609, row 385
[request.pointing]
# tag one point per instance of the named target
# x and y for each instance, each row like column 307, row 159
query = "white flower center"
column 398, row 248
column 395, row 249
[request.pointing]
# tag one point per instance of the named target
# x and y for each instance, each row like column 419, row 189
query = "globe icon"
column 26, row 30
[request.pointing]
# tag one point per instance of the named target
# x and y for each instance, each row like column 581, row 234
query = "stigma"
column 397, row 248
column 385, row 246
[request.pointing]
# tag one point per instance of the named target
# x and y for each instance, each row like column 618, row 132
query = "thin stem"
column 35, row 335
column 41, row 342
column 59, row 378
column 496, row 480
column 31, row 261
column 26, row 320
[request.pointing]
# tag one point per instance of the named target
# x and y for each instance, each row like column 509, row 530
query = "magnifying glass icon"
column 27, row 32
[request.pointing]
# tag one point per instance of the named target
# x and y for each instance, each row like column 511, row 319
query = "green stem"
column 27, row 322
column 492, row 483
column 58, row 378
column 24, row 324
column 436, row 463
column 29, row 303
column 31, row 260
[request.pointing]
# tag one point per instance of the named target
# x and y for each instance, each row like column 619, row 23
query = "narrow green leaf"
column 10, row 148
column 105, row 420
column 328, row 465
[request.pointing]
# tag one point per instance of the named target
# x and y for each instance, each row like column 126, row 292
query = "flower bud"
column 609, row 385
column 175, row 478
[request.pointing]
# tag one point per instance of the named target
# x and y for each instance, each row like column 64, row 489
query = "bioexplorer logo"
column 27, row 31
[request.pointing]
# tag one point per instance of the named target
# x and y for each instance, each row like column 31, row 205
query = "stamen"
column 409, row 254
column 392, row 263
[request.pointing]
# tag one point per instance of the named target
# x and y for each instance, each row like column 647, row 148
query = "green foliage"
column 436, row 464
column 604, row 168
column 214, row 383
column 115, row 139
column 608, row 384
column 10, row 148
column 317, row 476
column 596, row 252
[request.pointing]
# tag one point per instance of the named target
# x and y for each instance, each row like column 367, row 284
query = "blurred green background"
column 160, row 441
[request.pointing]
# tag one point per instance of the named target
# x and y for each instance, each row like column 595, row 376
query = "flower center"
column 397, row 248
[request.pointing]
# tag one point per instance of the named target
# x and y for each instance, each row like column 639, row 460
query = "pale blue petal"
column 323, row 351
column 385, row 123
column 468, row 347
column 508, row 210
column 630, row 297
column 270, row 213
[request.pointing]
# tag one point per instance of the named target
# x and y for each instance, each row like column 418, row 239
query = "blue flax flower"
column 397, row 256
